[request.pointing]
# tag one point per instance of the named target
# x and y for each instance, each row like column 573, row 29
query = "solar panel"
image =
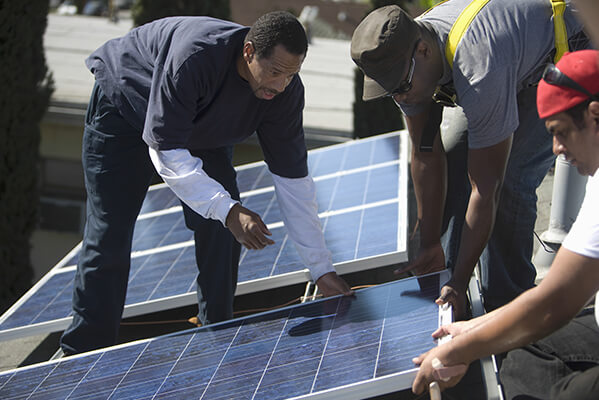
column 355, row 347
column 362, row 200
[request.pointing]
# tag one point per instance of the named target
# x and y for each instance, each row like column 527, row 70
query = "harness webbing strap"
column 460, row 26
column 559, row 26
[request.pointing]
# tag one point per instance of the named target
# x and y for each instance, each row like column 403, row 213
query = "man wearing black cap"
column 565, row 364
column 475, row 186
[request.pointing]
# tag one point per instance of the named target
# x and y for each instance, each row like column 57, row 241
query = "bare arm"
column 486, row 169
column 572, row 280
column 429, row 175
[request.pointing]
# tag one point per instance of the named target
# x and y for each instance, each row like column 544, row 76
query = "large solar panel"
column 362, row 200
column 355, row 347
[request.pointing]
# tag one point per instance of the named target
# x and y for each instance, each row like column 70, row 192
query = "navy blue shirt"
column 176, row 80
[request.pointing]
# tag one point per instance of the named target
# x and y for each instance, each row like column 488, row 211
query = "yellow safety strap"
column 559, row 26
column 467, row 15
column 460, row 26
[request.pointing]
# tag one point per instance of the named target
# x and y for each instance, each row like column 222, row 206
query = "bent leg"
column 550, row 367
column 117, row 172
column 506, row 262
column 217, row 251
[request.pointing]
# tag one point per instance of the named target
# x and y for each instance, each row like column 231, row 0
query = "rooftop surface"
column 327, row 73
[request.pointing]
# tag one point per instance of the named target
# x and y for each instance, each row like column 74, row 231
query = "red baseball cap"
column 582, row 67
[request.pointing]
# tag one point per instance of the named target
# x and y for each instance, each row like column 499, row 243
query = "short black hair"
column 274, row 28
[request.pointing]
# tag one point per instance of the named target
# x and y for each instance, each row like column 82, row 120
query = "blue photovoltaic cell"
column 328, row 160
column 296, row 351
column 333, row 194
column 349, row 236
column 358, row 189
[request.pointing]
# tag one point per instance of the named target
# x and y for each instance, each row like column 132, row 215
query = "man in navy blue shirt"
column 175, row 95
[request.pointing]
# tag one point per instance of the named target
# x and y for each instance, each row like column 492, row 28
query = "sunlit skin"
column 269, row 76
column 579, row 146
column 428, row 68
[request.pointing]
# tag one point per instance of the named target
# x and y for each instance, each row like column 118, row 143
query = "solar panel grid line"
column 174, row 366
column 220, row 362
column 257, row 189
column 363, row 390
column 82, row 379
column 139, row 253
column 165, row 275
column 19, row 303
column 342, row 263
column 243, row 287
column 162, row 249
column 378, row 354
column 158, row 365
column 269, row 359
column 266, row 189
column 160, row 213
column 278, row 224
column 362, row 215
column 278, row 257
column 324, row 350
column 325, row 148
column 128, row 371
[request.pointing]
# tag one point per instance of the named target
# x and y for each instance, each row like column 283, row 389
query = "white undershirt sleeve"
column 183, row 173
column 297, row 201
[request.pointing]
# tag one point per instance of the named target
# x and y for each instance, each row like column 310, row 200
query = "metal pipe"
column 566, row 198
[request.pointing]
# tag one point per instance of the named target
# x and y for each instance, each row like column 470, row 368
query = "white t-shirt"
column 583, row 237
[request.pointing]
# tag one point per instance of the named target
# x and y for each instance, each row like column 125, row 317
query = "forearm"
column 478, row 224
column 572, row 280
column 430, row 185
column 486, row 169
column 184, row 175
column 528, row 318
column 297, row 201
column 429, row 175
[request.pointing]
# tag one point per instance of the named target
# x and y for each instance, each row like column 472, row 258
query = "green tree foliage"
column 144, row 11
column 79, row 4
column 376, row 116
column 26, row 89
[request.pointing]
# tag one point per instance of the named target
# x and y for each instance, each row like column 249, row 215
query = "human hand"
column 432, row 370
column 248, row 228
column 454, row 329
column 456, row 296
column 429, row 259
column 331, row 284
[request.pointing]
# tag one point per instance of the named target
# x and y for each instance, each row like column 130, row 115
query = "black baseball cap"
column 381, row 45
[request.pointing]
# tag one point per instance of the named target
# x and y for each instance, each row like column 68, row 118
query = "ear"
column 423, row 48
column 593, row 110
column 248, row 51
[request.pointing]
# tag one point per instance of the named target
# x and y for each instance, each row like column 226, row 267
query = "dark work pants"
column 506, row 265
column 217, row 251
column 118, row 170
column 564, row 365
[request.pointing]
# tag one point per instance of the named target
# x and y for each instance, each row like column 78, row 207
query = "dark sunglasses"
column 406, row 85
column 553, row 76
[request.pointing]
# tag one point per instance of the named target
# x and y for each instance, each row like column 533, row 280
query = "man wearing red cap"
column 565, row 364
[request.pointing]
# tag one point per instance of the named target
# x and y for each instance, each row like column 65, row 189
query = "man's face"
column 270, row 76
column 424, row 78
column 579, row 146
